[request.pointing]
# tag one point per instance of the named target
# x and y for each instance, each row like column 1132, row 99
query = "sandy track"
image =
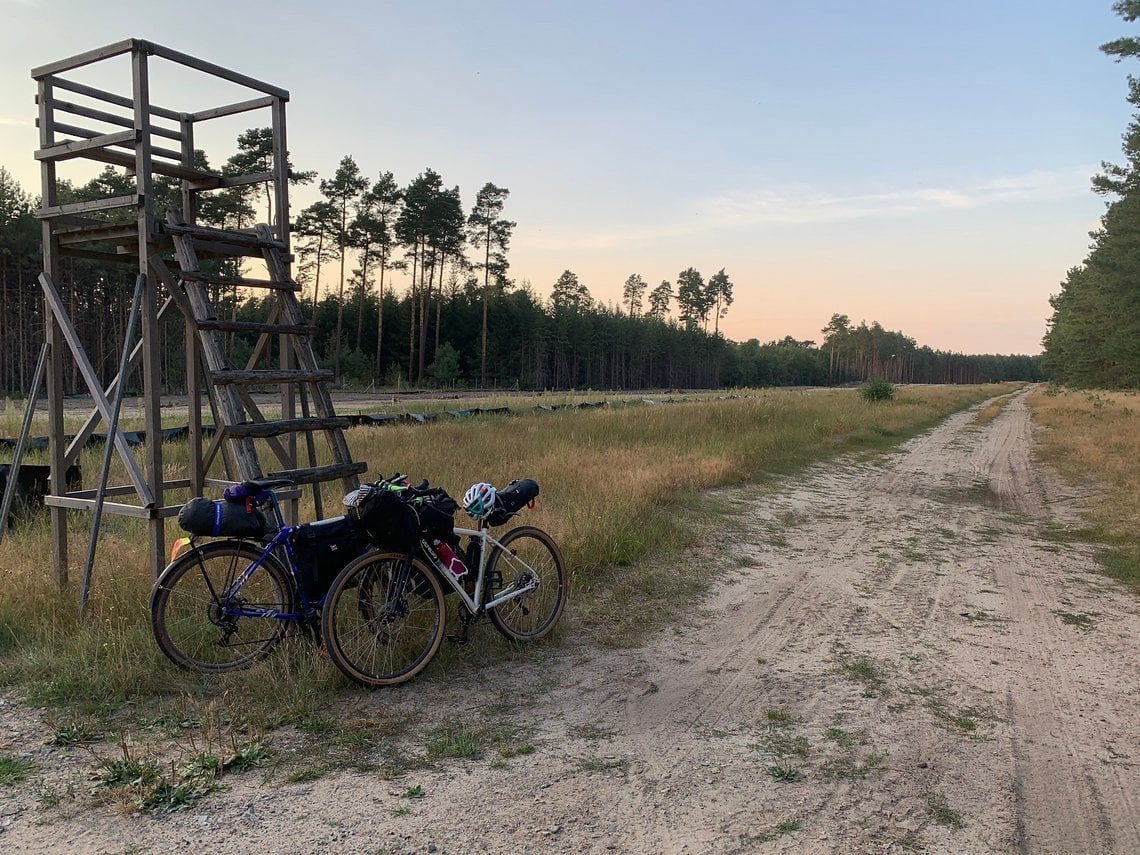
column 898, row 640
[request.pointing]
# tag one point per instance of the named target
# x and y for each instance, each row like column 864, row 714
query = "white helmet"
column 479, row 501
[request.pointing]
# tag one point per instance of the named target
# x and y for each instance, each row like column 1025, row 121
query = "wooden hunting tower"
column 126, row 129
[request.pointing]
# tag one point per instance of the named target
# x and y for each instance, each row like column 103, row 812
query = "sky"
column 918, row 163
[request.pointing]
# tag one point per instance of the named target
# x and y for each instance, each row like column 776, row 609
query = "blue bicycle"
column 223, row 604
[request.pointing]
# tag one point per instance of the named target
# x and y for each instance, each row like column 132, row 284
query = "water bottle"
column 449, row 559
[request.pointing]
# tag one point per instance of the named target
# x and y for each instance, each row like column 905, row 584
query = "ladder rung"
column 321, row 473
column 256, row 327
column 276, row 428
column 254, row 377
column 224, row 235
column 243, row 281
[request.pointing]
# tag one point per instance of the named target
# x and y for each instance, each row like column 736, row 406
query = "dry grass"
column 621, row 492
column 1094, row 438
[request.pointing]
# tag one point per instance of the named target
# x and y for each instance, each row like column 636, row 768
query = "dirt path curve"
column 896, row 658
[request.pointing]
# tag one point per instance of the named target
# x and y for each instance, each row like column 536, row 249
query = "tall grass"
column 621, row 492
column 1094, row 438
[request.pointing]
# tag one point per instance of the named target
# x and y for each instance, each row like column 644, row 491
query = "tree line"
column 460, row 319
column 1093, row 336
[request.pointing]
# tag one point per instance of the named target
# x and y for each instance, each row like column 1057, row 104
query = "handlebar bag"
column 385, row 517
column 203, row 516
column 437, row 514
column 511, row 499
column 322, row 549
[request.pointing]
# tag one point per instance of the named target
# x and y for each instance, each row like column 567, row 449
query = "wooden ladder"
column 238, row 418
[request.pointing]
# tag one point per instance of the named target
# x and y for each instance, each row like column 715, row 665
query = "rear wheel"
column 383, row 619
column 203, row 625
column 529, row 558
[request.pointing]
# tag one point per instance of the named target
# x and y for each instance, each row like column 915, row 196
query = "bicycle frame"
column 488, row 543
column 280, row 539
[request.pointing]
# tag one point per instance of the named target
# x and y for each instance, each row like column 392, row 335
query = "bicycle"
column 224, row 604
column 384, row 617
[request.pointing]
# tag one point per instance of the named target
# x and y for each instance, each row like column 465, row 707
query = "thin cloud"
column 802, row 204
column 805, row 205
column 14, row 122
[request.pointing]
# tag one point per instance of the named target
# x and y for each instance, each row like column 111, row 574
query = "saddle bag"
column 511, row 499
column 201, row 516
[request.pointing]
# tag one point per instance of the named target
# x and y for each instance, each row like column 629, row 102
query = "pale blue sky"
column 924, row 164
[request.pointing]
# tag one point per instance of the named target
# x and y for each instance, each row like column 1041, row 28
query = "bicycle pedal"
column 458, row 638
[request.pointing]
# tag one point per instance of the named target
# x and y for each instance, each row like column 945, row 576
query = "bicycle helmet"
column 479, row 500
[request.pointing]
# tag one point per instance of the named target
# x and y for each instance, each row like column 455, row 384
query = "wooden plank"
column 113, row 119
column 255, row 326
column 231, row 109
column 116, row 508
column 216, row 70
column 235, row 181
column 321, row 473
column 171, row 170
column 243, row 281
column 80, row 148
column 126, row 489
column 206, row 233
column 108, row 204
column 112, row 98
column 283, row 426
column 269, row 376
column 89, row 134
column 125, row 233
column 85, row 58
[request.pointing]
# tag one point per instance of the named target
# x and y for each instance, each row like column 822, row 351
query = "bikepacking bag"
column 384, row 515
column 437, row 515
column 322, row 549
column 203, row 516
column 510, row 500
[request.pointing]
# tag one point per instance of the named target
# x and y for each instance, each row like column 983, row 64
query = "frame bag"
column 322, row 549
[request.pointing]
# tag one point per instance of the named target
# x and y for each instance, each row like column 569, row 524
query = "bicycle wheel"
column 383, row 619
column 528, row 555
column 196, row 629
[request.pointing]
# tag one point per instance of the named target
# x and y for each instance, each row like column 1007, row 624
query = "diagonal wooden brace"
column 98, row 396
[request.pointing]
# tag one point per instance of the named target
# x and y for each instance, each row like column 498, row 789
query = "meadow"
column 1093, row 439
column 623, row 491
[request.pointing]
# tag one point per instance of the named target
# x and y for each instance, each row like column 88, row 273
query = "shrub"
column 877, row 389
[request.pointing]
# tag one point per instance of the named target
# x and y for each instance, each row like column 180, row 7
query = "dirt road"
column 897, row 657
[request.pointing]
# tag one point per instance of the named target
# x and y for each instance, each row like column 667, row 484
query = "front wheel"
column 202, row 622
column 529, row 558
column 383, row 619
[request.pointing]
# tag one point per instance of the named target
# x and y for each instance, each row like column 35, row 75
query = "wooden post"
column 53, row 337
column 152, row 365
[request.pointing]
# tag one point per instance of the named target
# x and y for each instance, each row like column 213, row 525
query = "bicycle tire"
column 527, row 551
column 381, row 624
column 189, row 622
